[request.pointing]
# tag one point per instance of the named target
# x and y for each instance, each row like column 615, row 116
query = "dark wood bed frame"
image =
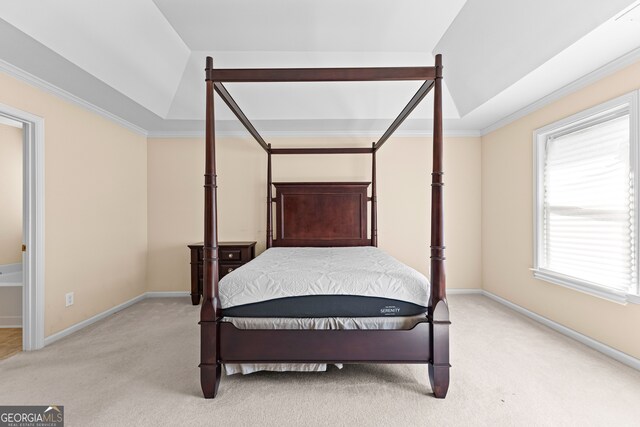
column 323, row 214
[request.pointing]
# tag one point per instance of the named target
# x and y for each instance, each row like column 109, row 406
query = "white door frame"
column 33, row 226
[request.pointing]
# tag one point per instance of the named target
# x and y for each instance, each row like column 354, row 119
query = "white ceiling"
column 143, row 60
column 127, row 44
column 310, row 25
column 501, row 48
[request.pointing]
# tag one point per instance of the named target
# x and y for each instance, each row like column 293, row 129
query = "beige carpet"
column 138, row 367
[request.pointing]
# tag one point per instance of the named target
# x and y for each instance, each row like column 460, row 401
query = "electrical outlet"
column 68, row 299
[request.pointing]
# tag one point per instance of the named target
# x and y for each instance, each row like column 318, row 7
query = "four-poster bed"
column 323, row 215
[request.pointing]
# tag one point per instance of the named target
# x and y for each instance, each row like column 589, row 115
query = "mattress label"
column 390, row 310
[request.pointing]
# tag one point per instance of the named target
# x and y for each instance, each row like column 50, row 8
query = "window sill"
column 585, row 287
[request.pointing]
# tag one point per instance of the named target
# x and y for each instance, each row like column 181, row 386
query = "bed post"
column 210, row 312
column 438, row 309
column 374, row 199
column 269, row 201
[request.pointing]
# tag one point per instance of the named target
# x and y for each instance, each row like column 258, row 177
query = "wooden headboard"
column 321, row 214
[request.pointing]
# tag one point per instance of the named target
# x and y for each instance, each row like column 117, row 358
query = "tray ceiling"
column 143, row 61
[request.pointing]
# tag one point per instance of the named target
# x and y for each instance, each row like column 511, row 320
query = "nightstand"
column 231, row 255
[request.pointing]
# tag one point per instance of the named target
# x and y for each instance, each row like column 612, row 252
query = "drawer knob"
column 230, row 255
column 229, row 270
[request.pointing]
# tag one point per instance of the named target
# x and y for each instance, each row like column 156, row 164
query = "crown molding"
column 29, row 78
column 582, row 82
column 604, row 71
column 188, row 134
column 313, row 134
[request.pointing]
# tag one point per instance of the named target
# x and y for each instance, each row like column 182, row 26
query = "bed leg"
column 210, row 367
column 439, row 365
column 439, row 379
column 210, row 379
column 195, row 299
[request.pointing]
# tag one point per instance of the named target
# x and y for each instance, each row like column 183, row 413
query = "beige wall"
column 100, row 237
column 175, row 197
column 105, row 245
column 507, row 224
column 120, row 209
column 95, row 207
column 10, row 194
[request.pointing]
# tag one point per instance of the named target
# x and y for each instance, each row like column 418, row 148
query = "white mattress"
column 398, row 322
column 289, row 272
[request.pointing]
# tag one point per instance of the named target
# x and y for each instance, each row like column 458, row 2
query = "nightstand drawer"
column 225, row 269
column 229, row 254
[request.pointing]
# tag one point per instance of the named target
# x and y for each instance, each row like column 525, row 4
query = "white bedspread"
column 288, row 272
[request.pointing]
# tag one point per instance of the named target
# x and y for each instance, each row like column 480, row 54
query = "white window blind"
column 588, row 203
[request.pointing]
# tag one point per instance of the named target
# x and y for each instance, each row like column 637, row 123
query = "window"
column 586, row 201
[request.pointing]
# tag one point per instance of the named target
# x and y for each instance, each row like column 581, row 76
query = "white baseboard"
column 464, row 291
column 80, row 325
column 10, row 321
column 167, row 294
column 589, row 342
column 90, row 321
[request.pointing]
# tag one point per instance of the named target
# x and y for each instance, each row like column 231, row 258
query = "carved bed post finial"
column 210, row 370
column 269, row 201
column 374, row 199
column 438, row 308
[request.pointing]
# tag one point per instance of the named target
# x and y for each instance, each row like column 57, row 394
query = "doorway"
column 22, row 228
column 11, row 230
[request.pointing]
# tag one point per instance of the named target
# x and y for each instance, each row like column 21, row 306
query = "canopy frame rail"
column 258, row 75
column 413, row 103
column 235, row 109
